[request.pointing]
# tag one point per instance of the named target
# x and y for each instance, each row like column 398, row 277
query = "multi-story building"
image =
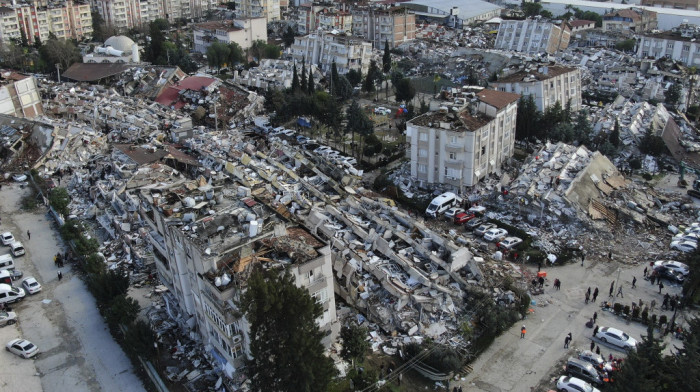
column 629, row 21
column 207, row 238
column 671, row 45
column 532, row 36
column 547, row 85
column 337, row 20
column 677, row 4
column 241, row 31
column 323, row 48
column 581, row 24
column 459, row 148
column 19, row 95
column 268, row 9
column 396, row 25
column 69, row 20
column 127, row 14
column 308, row 15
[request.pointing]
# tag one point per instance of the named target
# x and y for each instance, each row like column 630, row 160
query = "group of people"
column 588, row 295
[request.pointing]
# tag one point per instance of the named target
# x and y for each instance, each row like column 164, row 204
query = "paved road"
column 514, row 364
column 77, row 350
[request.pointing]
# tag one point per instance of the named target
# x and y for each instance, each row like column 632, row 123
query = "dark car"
column 669, row 274
column 464, row 217
column 474, row 223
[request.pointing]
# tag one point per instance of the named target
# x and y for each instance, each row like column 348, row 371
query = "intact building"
column 677, row 4
column 68, row 20
column 241, row 31
column 323, row 48
column 453, row 13
column 394, row 25
column 629, row 21
column 673, row 46
column 268, row 9
column 547, row 85
column 532, row 36
column 459, row 148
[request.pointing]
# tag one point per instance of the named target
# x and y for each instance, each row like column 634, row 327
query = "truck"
column 263, row 123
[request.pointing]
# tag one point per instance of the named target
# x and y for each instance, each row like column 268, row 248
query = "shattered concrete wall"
column 585, row 186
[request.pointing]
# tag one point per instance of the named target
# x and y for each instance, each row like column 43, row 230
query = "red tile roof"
column 170, row 96
column 580, row 22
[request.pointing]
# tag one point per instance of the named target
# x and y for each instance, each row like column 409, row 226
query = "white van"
column 7, row 262
column 442, row 203
column 17, row 249
column 9, row 294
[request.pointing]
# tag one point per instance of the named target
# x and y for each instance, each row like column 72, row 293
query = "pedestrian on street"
column 60, row 276
column 595, row 294
column 523, row 331
column 595, row 316
column 583, row 257
column 566, row 342
column 595, row 331
column 592, row 345
column 612, row 288
column 661, row 286
column 634, row 282
column 588, row 291
column 29, row 235
column 588, row 297
column 653, row 304
column 646, row 271
column 610, row 254
column 619, row 292
column 652, row 279
column 400, row 378
column 597, row 350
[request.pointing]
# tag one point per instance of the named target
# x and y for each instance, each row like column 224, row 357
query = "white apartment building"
column 323, row 48
column 532, row 36
column 395, row 26
column 268, row 9
column 65, row 20
column 127, row 14
column 338, row 20
column 241, row 31
column 459, row 148
column 19, row 96
column 546, row 84
column 674, row 46
column 206, row 262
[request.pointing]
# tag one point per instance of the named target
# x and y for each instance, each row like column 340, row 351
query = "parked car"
column 30, row 285
column 583, row 370
column 7, row 238
column 616, row 337
column 686, row 237
column 474, row 223
column 481, row 230
column 382, row 110
column 673, row 265
column 23, row 348
column 595, row 360
column 509, row 243
column 573, row 384
column 463, row 217
column 684, row 246
column 669, row 274
column 494, row 235
column 16, row 274
column 7, row 318
column 17, row 249
column 19, row 177
column 321, row 149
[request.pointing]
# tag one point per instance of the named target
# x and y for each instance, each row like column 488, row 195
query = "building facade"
column 394, row 25
column 268, row 9
column 459, row 148
column 127, row 14
column 323, row 48
column 547, row 85
column 19, row 96
column 532, row 36
column 241, row 31
column 629, row 21
column 117, row 49
column 338, row 20
column 677, row 4
column 69, row 20
column 674, row 46
column 581, row 24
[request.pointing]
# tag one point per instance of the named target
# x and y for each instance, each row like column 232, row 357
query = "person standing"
column 60, row 276
column 652, row 279
column 612, row 288
column 583, row 257
column 646, row 271
column 610, row 254
column 619, row 292
column 634, row 282
column 523, row 331
column 661, row 286
column 588, row 297
column 595, row 316
column 29, row 235
column 595, row 331
column 597, row 350
column 566, row 341
column 595, row 294
column 592, row 345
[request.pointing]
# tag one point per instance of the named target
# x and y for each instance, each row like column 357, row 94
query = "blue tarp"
column 304, row 122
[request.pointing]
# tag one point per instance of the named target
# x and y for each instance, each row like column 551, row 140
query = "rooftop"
column 225, row 25
column 580, row 22
column 460, row 122
column 542, row 73
column 498, row 99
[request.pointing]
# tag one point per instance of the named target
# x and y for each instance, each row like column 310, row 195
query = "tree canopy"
column 405, row 90
column 285, row 341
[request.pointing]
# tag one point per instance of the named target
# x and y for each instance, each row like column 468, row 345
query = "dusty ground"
column 77, row 351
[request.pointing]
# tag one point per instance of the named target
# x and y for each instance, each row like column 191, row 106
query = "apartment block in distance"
column 323, row 48
column 673, row 44
column 460, row 147
column 546, row 84
column 19, row 95
column 693, row 5
column 208, row 235
column 241, row 31
column 268, row 9
column 532, row 36
column 68, row 20
column 395, row 25
column 630, row 21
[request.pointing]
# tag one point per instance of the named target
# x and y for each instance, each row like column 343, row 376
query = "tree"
column 311, row 88
column 154, row 48
column 582, row 128
column 405, row 90
column 335, row 80
column 161, row 24
column 23, row 39
column 424, row 108
column 295, row 79
column 645, row 369
column 652, row 144
column 62, row 52
column 386, row 58
column 285, row 341
column 527, row 119
column 139, row 339
column 236, row 54
column 106, row 286
column 626, row 45
column 692, row 281
column 358, row 121
column 303, row 82
column 673, row 94
column 531, row 9
column 355, row 343
column 288, row 36
column 371, row 77
column 59, row 200
column 614, row 137
column 354, row 77
column 218, row 54
column 122, row 311
column 98, row 27
column 344, row 89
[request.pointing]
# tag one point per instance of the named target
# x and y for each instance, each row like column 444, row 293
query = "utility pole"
column 58, row 72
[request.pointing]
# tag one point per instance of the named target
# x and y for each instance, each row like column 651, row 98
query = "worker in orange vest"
column 522, row 332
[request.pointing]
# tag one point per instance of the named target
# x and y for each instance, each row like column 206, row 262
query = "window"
column 453, row 155
column 669, row 45
column 321, row 296
column 422, row 168
column 483, row 150
column 423, row 136
column 310, row 274
column 422, row 153
column 451, row 172
column 453, row 139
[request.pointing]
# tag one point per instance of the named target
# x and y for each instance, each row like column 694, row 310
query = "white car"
column 7, row 238
column 509, row 243
column 23, row 348
column 673, row 266
column 481, row 230
column 687, row 237
column 452, row 212
column 616, row 337
column 381, row 110
column 19, row 177
column 495, row 234
column 684, row 246
column 573, row 384
column 31, row 285
column 7, row 318
column 321, row 149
